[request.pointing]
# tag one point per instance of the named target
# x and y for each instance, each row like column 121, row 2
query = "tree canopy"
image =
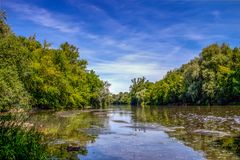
column 35, row 74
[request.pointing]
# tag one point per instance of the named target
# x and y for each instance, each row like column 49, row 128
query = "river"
column 142, row 133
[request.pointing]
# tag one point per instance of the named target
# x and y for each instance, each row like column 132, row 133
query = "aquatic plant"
column 19, row 140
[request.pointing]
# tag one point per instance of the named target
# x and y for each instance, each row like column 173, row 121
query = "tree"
column 4, row 29
column 138, row 89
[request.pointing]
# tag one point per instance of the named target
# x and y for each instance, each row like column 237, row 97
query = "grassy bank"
column 19, row 140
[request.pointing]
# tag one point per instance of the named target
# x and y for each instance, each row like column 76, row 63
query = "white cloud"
column 119, row 72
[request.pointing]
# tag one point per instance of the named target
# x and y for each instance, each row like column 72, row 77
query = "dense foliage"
column 34, row 74
column 211, row 78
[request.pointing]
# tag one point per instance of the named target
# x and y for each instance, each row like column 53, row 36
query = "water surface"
column 124, row 132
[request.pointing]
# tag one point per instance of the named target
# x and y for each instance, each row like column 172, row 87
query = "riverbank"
column 19, row 139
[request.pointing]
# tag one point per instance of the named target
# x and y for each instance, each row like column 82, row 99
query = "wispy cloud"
column 101, row 18
column 43, row 17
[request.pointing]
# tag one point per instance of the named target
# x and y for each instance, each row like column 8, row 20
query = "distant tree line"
column 120, row 98
column 211, row 78
column 35, row 74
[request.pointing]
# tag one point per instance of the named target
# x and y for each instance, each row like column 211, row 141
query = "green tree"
column 4, row 29
column 45, row 77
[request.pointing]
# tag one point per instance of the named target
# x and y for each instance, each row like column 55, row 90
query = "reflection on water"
column 125, row 132
column 230, row 143
column 201, row 127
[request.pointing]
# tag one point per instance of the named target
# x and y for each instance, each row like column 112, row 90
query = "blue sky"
column 123, row 39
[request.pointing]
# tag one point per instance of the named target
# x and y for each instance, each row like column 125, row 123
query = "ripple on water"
column 237, row 119
column 211, row 133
